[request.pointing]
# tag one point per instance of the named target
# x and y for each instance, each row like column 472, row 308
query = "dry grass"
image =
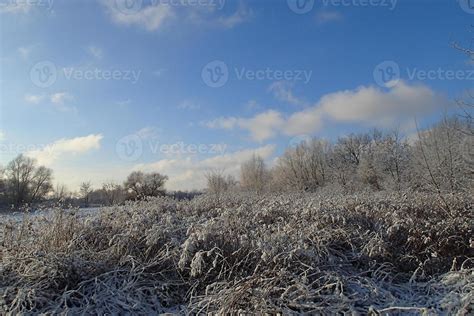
column 274, row 254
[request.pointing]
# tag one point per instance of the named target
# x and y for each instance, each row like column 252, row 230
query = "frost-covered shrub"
column 285, row 253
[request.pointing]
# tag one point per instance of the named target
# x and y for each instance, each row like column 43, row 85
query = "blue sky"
column 96, row 89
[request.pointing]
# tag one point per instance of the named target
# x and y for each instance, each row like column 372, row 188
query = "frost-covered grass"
column 276, row 254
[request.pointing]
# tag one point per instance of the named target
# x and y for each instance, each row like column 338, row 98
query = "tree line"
column 24, row 182
column 440, row 159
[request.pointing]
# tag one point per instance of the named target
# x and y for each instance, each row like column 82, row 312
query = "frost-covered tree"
column 346, row 158
column 466, row 103
column 304, row 167
column 368, row 172
column 112, row 193
column 351, row 147
column 393, row 159
column 384, row 160
column 440, row 161
column 254, row 175
column 26, row 182
column 218, row 183
column 61, row 193
column 85, row 191
column 2, row 185
column 141, row 185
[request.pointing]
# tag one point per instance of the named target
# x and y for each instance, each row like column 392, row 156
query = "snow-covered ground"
column 18, row 216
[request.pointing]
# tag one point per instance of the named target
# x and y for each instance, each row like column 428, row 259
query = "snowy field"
column 19, row 215
column 290, row 254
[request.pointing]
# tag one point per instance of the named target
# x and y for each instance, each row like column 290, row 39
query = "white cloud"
column 150, row 17
column 242, row 15
column 24, row 52
column 188, row 105
column 365, row 105
column 304, row 122
column 261, row 127
column 34, row 99
column 223, row 123
column 62, row 148
column 252, row 105
column 188, row 173
column 124, row 103
column 282, row 90
column 95, row 51
column 59, row 100
column 153, row 16
column 323, row 17
column 370, row 104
